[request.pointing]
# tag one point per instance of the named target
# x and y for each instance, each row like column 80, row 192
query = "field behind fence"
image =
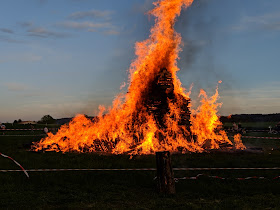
column 136, row 189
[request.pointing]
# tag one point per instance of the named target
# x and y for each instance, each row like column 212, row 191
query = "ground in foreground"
column 132, row 189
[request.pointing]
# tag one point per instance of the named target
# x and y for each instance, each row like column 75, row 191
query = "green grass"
column 136, row 189
column 256, row 125
column 28, row 126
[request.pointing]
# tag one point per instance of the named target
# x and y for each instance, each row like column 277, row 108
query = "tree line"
column 251, row 118
column 46, row 119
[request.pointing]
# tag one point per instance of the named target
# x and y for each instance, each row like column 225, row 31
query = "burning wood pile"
column 157, row 101
column 160, row 93
column 155, row 114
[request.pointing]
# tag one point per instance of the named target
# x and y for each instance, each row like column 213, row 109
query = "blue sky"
column 63, row 57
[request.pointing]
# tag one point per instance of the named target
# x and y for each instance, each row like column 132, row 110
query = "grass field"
column 258, row 125
column 136, row 189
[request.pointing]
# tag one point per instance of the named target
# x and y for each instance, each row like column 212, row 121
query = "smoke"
column 197, row 26
column 202, row 35
column 195, row 36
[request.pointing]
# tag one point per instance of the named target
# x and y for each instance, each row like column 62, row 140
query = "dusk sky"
column 64, row 57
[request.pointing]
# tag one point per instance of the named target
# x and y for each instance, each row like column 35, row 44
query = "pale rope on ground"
column 22, row 169
column 25, row 135
column 136, row 169
column 222, row 178
column 23, row 129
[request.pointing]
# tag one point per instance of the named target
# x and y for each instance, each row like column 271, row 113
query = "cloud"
column 45, row 33
column 42, row 32
column 32, row 58
column 83, row 25
column 143, row 7
column 269, row 21
column 106, row 27
column 21, row 57
column 273, row 26
column 111, row 32
column 14, row 86
column 103, row 25
column 91, row 14
column 26, row 24
column 6, row 30
column 43, row 1
column 10, row 40
column 92, row 30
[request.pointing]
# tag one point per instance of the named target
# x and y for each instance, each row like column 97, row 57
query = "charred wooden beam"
column 165, row 176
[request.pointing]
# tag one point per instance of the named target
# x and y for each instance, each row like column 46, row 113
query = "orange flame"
column 131, row 126
column 206, row 124
column 238, row 142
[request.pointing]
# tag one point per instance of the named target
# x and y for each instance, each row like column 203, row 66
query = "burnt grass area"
column 137, row 189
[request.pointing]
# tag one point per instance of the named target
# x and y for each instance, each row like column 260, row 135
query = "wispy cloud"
column 21, row 57
column 269, row 21
column 111, row 32
column 106, row 27
column 91, row 14
column 45, row 33
column 32, row 58
column 83, row 25
column 25, row 24
column 11, row 40
column 15, row 86
column 43, row 1
column 103, row 23
column 6, row 30
column 8, row 36
column 143, row 7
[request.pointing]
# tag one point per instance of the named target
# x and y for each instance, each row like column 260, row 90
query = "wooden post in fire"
column 165, row 176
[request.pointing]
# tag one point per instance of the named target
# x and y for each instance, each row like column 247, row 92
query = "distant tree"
column 47, row 119
column 19, row 120
column 15, row 122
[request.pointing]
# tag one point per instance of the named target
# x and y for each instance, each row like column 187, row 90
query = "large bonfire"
column 154, row 114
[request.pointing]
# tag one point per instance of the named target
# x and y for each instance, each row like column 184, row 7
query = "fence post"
column 165, row 176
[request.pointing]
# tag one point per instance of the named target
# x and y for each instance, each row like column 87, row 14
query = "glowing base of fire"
column 77, row 137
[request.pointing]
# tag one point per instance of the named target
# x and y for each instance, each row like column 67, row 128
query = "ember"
column 155, row 113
